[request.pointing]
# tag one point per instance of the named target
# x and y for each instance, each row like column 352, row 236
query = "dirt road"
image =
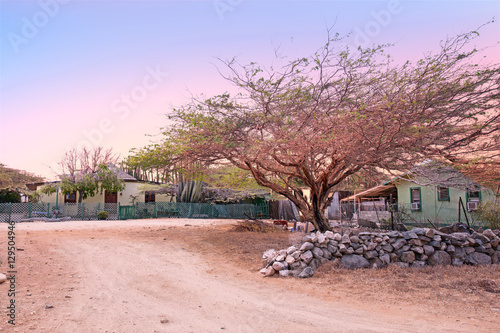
column 149, row 276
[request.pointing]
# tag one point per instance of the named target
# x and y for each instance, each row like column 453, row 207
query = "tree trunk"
column 319, row 219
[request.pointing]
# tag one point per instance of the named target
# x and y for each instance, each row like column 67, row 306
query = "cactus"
column 190, row 191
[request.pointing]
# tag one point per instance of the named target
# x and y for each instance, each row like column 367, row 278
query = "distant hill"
column 13, row 178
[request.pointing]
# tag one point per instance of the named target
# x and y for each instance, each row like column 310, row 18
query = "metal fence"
column 426, row 216
column 193, row 210
column 18, row 212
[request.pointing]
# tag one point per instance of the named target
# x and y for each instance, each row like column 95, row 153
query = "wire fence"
column 423, row 215
column 19, row 212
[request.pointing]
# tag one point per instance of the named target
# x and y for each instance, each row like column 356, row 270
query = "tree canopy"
column 88, row 172
column 320, row 119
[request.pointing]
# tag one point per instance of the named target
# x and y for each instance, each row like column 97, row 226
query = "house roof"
column 121, row 174
column 374, row 192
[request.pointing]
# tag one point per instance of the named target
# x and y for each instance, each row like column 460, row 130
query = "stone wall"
column 416, row 248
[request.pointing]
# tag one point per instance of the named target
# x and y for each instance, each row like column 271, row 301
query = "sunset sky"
column 76, row 73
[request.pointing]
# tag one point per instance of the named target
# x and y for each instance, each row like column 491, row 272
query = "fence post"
column 48, row 209
column 118, row 212
column 83, row 211
column 10, row 211
column 29, row 210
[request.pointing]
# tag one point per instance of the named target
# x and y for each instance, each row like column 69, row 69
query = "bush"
column 102, row 215
column 489, row 213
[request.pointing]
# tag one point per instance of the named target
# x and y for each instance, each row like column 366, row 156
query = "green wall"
column 442, row 212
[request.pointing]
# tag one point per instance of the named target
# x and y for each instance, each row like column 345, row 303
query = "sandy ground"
column 175, row 275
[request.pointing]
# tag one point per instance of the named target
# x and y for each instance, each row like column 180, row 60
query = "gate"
column 127, row 212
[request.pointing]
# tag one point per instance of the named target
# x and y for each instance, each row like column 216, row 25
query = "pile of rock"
column 416, row 248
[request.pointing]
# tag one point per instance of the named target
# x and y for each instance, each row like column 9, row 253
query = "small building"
column 439, row 196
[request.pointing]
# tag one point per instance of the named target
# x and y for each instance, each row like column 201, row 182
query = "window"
column 70, row 198
column 416, row 199
column 149, row 197
column 443, row 193
column 473, row 199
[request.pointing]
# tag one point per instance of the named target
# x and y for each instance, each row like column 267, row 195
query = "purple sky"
column 76, row 73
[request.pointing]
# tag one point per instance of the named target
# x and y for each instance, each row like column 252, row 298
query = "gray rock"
column 418, row 263
column 450, row 249
column 269, row 271
column 495, row 258
column 285, row 273
column 307, row 256
column 332, row 249
column 393, row 256
column 388, row 248
column 409, row 235
column 346, row 239
column 400, row 264
column 477, row 258
column 280, row 257
column 306, row 273
column 337, row 237
column 359, row 250
column 296, row 255
column 418, row 231
column 425, row 239
column 394, row 234
column 269, row 255
column 354, row 239
column 386, row 258
column 399, row 244
column 408, row 257
column 279, row 266
column 405, row 248
column 327, row 255
column 494, row 243
column 469, row 249
column 307, row 246
column 480, row 248
column 416, row 242
column 289, row 260
column 329, row 234
column 429, row 233
column 457, row 262
column 490, row 234
column 371, row 246
column 349, row 250
column 371, row 254
column 417, row 249
column 298, row 265
column 314, row 264
column 291, row 249
column 342, row 248
column 317, row 253
column 376, row 263
column 428, row 250
column 459, row 253
column 353, row 261
column 439, row 258
column 322, row 239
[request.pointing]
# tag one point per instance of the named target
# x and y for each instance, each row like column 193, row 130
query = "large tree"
column 87, row 172
column 317, row 120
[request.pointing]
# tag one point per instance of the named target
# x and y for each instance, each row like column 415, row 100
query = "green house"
column 430, row 193
column 438, row 204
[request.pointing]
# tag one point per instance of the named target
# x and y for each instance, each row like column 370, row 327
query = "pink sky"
column 65, row 82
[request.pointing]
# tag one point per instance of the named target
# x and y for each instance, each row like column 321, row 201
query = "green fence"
column 192, row 210
column 88, row 211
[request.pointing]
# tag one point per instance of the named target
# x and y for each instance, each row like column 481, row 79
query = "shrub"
column 489, row 213
column 102, row 215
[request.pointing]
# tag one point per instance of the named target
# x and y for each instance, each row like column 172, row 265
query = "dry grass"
column 256, row 226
